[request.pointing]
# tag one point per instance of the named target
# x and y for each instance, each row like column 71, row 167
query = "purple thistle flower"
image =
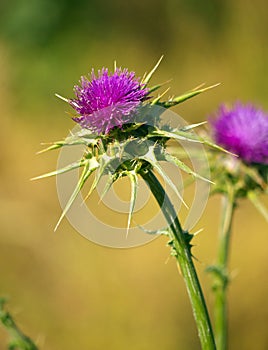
column 243, row 130
column 107, row 100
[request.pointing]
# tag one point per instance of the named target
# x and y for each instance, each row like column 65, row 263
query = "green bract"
column 245, row 180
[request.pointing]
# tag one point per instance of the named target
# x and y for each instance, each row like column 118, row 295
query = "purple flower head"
column 107, row 100
column 243, row 130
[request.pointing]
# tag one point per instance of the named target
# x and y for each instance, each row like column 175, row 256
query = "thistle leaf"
column 18, row 340
column 187, row 95
column 90, row 166
column 214, row 146
column 164, row 231
column 54, row 145
column 84, row 134
column 254, row 175
column 70, row 141
column 104, row 163
column 69, row 167
column 218, row 272
column 158, row 86
column 252, row 196
column 134, row 187
column 172, row 135
column 151, row 159
column 108, row 185
column 158, row 98
column 192, row 126
column 148, row 76
column 187, row 136
column 170, row 183
column 171, row 159
column 198, row 87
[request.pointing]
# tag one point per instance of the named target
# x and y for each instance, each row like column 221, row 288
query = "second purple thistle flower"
column 108, row 100
column 243, row 130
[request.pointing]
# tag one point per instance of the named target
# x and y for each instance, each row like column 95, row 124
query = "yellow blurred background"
column 64, row 291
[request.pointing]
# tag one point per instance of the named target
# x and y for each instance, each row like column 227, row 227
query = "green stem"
column 222, row 278
column 181, row 244
column 19, row 340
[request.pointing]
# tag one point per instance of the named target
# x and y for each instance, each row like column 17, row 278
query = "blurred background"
column 64, row 291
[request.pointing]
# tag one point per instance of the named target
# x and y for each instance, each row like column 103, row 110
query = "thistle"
column 123, row 136
column 243, row 130
column 122, row 132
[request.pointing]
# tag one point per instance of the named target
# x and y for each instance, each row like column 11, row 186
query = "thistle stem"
column 184, row 259
column 18, row 339
column 222, row 277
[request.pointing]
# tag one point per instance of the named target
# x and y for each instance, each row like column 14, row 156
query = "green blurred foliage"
column 67, row 292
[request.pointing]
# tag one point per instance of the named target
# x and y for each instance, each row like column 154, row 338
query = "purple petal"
column 243, row 130
column 106, row 101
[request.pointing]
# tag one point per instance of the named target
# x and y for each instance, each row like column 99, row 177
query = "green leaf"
column 172, row 135
column 90, row 166
column 253, row 197
column 54, row 145
column 186, row 136
column 82, row 137
column 192, row 126
column 214, row 146
column 184, row 167
column 254, row 175
column 148, row 76
column 18, row 340
column 68, row 142
column 158, row 98
column 164, row 231
column 104, row 164
column 219, row 272
column 69, row 167
column 187, row 95
column 134, row 186
column 84, row 134
column 151, row 159
column 158, row 86
column 112, row 178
